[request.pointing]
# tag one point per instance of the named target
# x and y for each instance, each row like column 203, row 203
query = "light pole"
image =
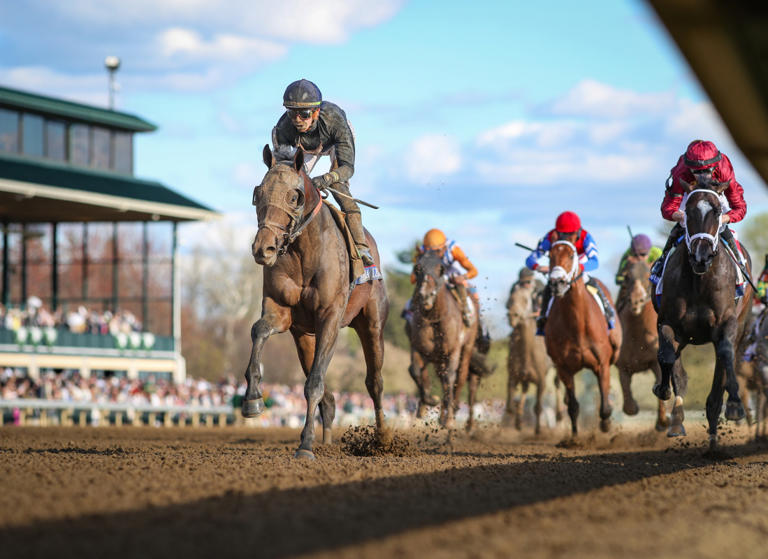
column 112, row 63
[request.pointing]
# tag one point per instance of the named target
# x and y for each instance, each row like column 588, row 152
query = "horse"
column 307, row 290
column 576, row 334
column 439, row 335
column 527, row 361
column 759, row 379
column 698, row 305
column 478, row 370
column 640, row 341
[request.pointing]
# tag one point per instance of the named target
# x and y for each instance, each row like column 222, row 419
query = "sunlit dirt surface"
column 184, row 493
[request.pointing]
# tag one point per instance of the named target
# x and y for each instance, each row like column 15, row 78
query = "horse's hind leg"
column 474, row 381
column 570, row 399
column 667, row 356
column 537, row 407
column 369, row 325
column 305, row 347
column 274, row 319
column 625, row 378
column 679, row 384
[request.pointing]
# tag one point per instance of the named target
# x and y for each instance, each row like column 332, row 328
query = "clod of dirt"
column 367, row 441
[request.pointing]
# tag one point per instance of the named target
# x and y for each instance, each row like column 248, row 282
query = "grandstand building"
column 89, row 272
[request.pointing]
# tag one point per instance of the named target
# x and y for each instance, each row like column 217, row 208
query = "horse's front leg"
column 667, row 356
column 604, row 383
column 448, row 372
column 679, row 384
column 724, row 357
column 661, row 411
column 314, row 387
column 274, row 319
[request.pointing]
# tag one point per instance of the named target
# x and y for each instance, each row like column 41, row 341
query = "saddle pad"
column 593, row 291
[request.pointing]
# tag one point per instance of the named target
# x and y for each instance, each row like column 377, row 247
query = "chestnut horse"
column 307, row 290
column 439, row 335
column 576, row 333
column 640, row 341
column 698, row 305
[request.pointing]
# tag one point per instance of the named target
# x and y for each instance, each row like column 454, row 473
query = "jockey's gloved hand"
column 325, row 180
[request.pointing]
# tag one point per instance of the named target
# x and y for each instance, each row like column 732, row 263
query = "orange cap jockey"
column 435, row 239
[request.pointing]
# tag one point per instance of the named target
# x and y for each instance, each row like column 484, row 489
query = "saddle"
column 358, row 273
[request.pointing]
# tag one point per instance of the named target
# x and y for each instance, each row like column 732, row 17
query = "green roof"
column 106, row 189
column 76, row 111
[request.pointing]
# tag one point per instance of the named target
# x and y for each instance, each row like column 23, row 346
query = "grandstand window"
column 9, row 131
column 55, row 140
column 101, row 140
column 79, row 144
column 32, row 134
column 123, row 152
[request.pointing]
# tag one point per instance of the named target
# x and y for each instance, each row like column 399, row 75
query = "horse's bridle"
column 297, row 221
column 558, row 272
column 440, row 280
column 690, row 238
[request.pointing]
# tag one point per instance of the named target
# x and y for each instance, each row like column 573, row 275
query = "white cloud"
column 431, row 156
column 594, row 99
column 178, row 41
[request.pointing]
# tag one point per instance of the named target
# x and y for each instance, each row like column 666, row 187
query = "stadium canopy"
column 726, row 45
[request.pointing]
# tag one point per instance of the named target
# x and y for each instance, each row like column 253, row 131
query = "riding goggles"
column 303, row 114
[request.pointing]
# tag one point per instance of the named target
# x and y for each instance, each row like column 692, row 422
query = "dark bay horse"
column 307, row 290
column 576, row 333
column 528, row 361
column 698, row 306
column 438, row 333
column 640, row 342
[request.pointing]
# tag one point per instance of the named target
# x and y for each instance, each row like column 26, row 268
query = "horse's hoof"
column 605, row 425
column 661, row 426
column 676, row 431
column 304, row 454
column 662, row 392
column 630, row 407
column 734, row 411
column 253, row 408
column 431, row 401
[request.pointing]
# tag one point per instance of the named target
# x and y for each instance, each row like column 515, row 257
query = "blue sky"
column 484, row 119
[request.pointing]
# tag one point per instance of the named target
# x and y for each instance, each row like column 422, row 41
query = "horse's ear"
column 719, row 187
column 685, row 185
column 298, row 160
column 269, row 159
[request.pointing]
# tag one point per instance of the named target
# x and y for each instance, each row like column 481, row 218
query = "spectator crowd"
column 78, row 321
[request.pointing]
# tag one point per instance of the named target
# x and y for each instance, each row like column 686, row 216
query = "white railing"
column 31, row 411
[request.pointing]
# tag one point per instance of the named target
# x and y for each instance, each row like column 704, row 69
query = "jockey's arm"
column 654, row 254
column 344, row 143
column 541, row 249
column 590, row 251
column 620, row 271
column 462, row 259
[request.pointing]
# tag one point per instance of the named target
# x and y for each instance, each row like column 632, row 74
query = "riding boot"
column 466, row 316
column 607, row 308
column 541, row 322
column 658, row 266
column 727, row 235
column 355, row 225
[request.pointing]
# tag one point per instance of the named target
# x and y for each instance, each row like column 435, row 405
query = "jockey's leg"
column 466, row 316
column 354, row 221
column 658, row 266
column 541, row 322
column 607, row 308
column 727, row 236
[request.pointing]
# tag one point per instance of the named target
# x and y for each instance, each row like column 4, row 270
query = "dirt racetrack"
column 184, row 493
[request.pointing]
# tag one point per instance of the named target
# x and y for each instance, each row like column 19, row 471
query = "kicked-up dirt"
column 188, row 493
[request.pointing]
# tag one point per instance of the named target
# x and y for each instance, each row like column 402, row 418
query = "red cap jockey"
column 702, row 155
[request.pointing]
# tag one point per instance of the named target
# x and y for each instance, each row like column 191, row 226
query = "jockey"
column 526, row 278
column 455, row 262
column 567, row 226
column 701, row 162
column 320, row 128
column 762, row 283
column 641, row 248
